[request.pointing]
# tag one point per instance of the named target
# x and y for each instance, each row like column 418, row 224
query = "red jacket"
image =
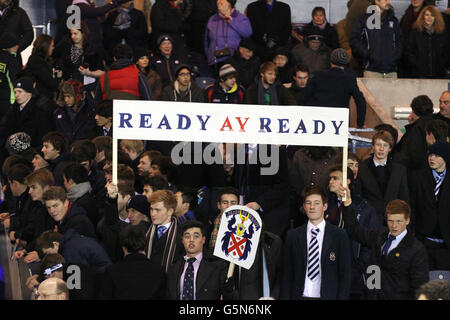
column 125, row 79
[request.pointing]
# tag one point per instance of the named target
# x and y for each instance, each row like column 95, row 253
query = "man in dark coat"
column 317, row 255
column 135, row 277
column 246, row 62
column 26, row 115
column 65, row 214
column 75, row 248
column 430, row 205
column 10, row 66
column 379, row 178
column 411, row 151
column 15, row 20
column 366, row 216
column 78, row 188
column 444, row 106
column 54, row 147
column 267, row 91
column 401, row 258
column 166, row 61
column 271, row 25
column 379, row 47
column 269, row 257
column 210, row 274
column 334, row 87
column 126, row 24
column 183, row 89
column 167, row 19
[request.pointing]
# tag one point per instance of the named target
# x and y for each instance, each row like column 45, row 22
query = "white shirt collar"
column 321, row 226
column 400, row 237
column 378, row 164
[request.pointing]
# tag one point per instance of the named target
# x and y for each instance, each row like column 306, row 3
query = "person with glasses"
column 183, row 89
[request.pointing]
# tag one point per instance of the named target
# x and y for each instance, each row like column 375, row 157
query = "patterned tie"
column 188, row 283
column 439, row 180
column 387, row 244
column 313, row 256
column 160, row 231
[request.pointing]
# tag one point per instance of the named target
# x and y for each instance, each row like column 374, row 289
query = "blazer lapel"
column 327, row 238
column 303, row 239
column 178, row 282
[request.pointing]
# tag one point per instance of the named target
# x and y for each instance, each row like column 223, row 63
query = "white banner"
column 238, row 237
column 230, row 123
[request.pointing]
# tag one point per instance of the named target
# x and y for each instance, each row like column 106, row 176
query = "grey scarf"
column 79, row 190
column 272, row 93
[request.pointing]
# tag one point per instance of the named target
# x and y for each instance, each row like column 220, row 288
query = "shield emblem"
column 236, row 246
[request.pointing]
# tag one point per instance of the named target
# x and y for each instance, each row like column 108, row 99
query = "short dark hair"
column 188, row 196
column 14, row 159
column 41, row 46
column 338, row 167
column 76, row 172
column 103, row 143
column 123, row 51
column 301, row 68
column 165, row 165
column 125, row 189
column 317, row 9
column 132, row 238
column 57, row 140
column 124, row 173
column 422, row 105
column 157, row 182
column 104, row 108
column 228, row 190
column 435, row 290
column 438, row 128
column 193, row 224
column 50, row 260
column 315, row 189
column 46, row 239
column 83, row 150
column 18, row 173
column 55, row 193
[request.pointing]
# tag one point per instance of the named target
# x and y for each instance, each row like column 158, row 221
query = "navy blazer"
column 335, row 270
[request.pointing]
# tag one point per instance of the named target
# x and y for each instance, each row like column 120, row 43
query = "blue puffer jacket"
column 381, row 49
column 220, row 34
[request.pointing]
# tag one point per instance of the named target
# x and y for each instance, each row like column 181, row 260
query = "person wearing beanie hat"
column 226, row 88
column 312, row 52
column 73, row 117
column 339, row 57
column 430, row 205
column 335, row 86
column 10, row 67
column 26, row 115
column 183, row 89
column 245, row 62
column 166, row 61
column 18, row 143
column 138, row 210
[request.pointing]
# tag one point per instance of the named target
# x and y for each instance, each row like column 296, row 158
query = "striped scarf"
column 171, row 243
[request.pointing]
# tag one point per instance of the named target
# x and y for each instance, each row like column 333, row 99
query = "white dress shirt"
column 312, row 288
column 396, row 242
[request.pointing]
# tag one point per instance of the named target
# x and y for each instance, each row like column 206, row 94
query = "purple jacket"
column 217, row 37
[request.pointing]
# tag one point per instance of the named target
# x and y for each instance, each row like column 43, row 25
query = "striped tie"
column 313, row 256
column 439, row 181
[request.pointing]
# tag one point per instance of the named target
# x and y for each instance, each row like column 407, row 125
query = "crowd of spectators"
column 151, row 235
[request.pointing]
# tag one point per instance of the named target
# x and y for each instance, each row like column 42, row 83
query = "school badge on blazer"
column 332, row 256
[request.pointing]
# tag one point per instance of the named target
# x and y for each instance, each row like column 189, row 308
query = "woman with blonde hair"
column 428, row 46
